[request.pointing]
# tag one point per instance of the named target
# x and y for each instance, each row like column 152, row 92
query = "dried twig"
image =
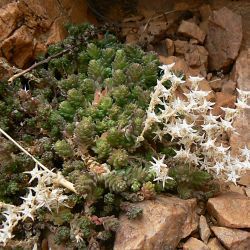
column 59, row 179
column 24, row 72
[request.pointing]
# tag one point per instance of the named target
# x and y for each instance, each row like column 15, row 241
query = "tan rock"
column 229, row 87
column 241, row 71
column 19, row 47
column 9, row 18
column 241, row 75
column 196, row 56
column 131, row 38
column 170, row 46
column 230, row 210
column 165, row 221
column 28, row 26
column 247, row 191
column 181, row 47
column 216, row 84
column 204, row 229
column 245, row 178
column 192, row 30
column 236, row 189
column 193, row 41
column 182, row 66
column 214, row 244
column 205, row 11
column 223, row 100
column 195, row 244
column 157, row 28
column 224, row 38
column 233, row 239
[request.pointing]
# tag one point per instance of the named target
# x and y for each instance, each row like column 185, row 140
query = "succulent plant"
column 83, row 118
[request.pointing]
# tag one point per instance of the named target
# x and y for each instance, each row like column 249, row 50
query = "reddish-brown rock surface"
column 192, row 30
column 28, row 26
column 214, row 244
column 164, row 223
column 224, row 37
column 204, row 229
column 195, row 244
column 241, row 75
column 230, row 210
column 233, row 239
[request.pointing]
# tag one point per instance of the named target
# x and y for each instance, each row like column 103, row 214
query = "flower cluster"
column 45, row 194
column 42, row 195
column 188, row 119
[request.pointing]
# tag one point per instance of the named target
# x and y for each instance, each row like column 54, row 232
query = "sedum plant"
column 190, row 123
column 94, row 116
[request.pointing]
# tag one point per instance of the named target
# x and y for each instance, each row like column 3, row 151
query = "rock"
column 192, row 30
column 196, row 56
column 233, row 239
column 241, row 8
column 216, row 84
column 19, row 47
column 241, row 70
column 165, row 221
column 193, row 41
column 204, row 229
column 131, row 38
column 245, row 179
column 241, row 75
column 236, row 189
column 170, row 47
column 247, row 190
column 157, row 28
column 224, row 38
column 223, row 100
column 209, row 76
column 10, row 16
column 195, row 244
column 205, row 11
column 230, row 210
column 182, row 66
column 181, row 47
column 229, row 87
column 28, row 26
column 214, row 244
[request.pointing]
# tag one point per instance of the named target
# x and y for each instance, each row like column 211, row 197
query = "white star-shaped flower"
column 245, row 152
column 243, row 93
column 167, row 68
column 240, row 104
column 219, row 167
column 158, row 164
column 226, row 125
column 211, row 118
column 176, row 80
column 232, row 176
column 210, row 143
column 229, row 113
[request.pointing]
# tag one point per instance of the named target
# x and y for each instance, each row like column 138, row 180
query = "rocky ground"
column 210, row 39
